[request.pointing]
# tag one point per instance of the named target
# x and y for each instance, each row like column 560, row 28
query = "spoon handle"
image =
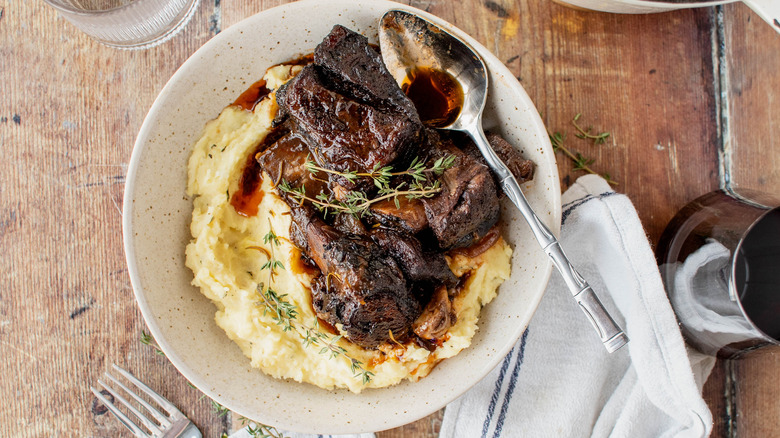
column 611, row 335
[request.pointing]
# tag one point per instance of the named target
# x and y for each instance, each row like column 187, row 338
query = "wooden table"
column 690, row 97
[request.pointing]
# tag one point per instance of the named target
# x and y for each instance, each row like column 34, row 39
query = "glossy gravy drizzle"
column 437, row 95
column 246, row 200
column 249, row 99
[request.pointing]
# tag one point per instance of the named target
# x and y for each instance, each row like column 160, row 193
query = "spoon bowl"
column 410, row 42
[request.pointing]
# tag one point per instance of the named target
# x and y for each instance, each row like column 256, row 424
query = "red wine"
column 757, row 274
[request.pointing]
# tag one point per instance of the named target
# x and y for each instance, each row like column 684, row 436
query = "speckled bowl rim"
column 419, row 405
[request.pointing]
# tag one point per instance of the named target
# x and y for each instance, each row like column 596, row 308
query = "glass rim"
column 62, row 6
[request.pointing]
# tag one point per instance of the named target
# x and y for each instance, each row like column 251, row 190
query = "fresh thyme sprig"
column 284, row 311
column 357, row 202
column 262, row 431
column 599, row 138
column 259, row 430
column 220, row 410
column 285, row 314
column 147, row 339
column 382, row 175
column 253, row 428
column 580, row 161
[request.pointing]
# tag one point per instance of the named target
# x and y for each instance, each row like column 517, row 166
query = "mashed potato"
column 228, row 252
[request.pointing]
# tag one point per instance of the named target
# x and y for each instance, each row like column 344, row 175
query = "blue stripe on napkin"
column 507, row 394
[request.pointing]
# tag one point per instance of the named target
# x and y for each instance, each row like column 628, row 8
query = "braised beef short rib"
column 361, row 287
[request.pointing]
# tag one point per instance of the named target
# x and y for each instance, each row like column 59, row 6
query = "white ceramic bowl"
column 157, row 215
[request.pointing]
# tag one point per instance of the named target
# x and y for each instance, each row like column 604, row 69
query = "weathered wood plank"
column 427, row 427
column 752, row 150
column 660, row 111
column 752, row 95
column 715, row 395
column 756, row 394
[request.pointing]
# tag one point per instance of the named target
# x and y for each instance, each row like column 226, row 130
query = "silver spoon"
column 408, row 41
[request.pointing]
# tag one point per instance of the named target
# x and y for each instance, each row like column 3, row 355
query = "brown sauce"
column 256, row 92
column 299, row 265
column 437, row 95
column 326, row 326
column 374, row 361
column 252, row 96
column 462, row 280
column 247, row 198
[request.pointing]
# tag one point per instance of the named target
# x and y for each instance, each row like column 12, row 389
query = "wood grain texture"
column 715, row 394
column 751, row 66
column 752, row 69
column 757, row 394
column 70, row 109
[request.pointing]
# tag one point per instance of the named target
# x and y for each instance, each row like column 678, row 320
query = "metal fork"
column 171, row 425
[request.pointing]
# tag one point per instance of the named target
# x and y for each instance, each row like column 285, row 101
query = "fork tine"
column 164, row 421
column 150, row 425
column 160, row 400
column 120, row 415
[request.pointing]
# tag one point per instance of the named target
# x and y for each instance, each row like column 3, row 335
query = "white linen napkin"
column 559, row 381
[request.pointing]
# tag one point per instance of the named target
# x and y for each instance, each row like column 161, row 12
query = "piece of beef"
column 522, row 169
column 409, row 215
column 356, row 69
column 298, row 238
column 467, row 206
column 351, row 108
column 419, row 266
column 349, row 224
column 361, row 287
column 285, row 160
column 436, row 318
column 346, row 135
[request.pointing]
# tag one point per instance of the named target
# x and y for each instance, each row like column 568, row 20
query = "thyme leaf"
column 599, row 138
column 147, row 339
column 259, row 430
column 381, row 176
column 357, row 202
column 220, row 410
column 581, row 162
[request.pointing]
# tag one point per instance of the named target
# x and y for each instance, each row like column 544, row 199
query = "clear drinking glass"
column 719, row 258
column 128, row 24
